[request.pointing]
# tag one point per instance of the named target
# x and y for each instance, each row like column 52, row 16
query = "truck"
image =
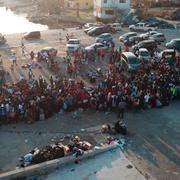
column 143, row 27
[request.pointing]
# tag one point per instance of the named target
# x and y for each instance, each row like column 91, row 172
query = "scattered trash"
column 106, row 113
column 75, row 114
column 120, row 143
column 97, row 147
column 83, row 130
column 129, row 166
column 52, row 140
column 61, row 111
column 176, row 173
column 26, row 140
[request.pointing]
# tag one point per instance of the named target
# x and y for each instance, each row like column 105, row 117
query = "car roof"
column 143, row 49
column 105, row 34
column 74, row 40
column 130, row 33
column 134, row 37
column 115, row 23
column 129, row 54
column 158, row 34
column 168, row 50
column 175, row 39
column 48, row 48
column 97, row 44
column 34, row 32
column 148, row 41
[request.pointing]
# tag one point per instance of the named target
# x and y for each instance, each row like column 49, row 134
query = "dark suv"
column 99, row 30
column 32, row 35
column 150, row 45
column 174, row 44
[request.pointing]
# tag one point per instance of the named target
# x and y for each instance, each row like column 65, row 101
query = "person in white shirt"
column 14, row 59
column 146, row 100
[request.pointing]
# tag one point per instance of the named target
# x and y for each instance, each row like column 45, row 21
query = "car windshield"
column 73, row 42
column 133, row 60
column 144, row 53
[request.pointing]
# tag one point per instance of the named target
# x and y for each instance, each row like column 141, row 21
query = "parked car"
column 93, row 26
column 126, row 36
column 50, row 51
column 173, row 44
column 141, row 27
column 2, row 39
column 95, row 47
column 88, row 25
column 99, row 30
column 105, row 37
column 144, row 55
column 167, row 53
column 158, row 37
column 130, row 19
column 32, row 35
column 73, row 45
column 130, row 62
column 134, row 40
column 116, row 26
column 150, row 45
column 148, row 34
column 88, row 29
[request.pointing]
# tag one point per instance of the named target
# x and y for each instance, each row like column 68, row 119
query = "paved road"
column 153, row 141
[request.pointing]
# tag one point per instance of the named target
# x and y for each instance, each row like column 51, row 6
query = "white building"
column 108, row 10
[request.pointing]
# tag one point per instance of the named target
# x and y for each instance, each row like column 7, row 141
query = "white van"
column 116, row 26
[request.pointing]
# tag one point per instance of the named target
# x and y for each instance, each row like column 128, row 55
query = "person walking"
column 14, row 59
column 121, row 108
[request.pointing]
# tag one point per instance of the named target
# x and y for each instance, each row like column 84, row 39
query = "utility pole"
column 77, row 9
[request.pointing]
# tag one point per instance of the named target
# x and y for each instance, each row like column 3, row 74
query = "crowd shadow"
column 154, row 140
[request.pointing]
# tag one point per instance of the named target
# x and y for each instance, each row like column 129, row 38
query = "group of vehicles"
column 142, row 44
column 150, row 40
column 94, row 29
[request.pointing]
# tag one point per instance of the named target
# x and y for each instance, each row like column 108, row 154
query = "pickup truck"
column 141, row 27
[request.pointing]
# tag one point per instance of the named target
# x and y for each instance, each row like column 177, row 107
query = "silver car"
column 158, row 37
column 143, row 54
column 130, row 62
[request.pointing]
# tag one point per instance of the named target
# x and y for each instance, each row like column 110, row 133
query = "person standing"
column 121, row 108
column 1, row 60
column 23, row 48
column 14, row 59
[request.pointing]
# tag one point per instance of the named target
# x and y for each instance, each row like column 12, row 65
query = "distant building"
column 83, row 4
column 109, row 10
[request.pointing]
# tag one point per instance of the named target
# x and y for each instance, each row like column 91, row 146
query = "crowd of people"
column 154, row 85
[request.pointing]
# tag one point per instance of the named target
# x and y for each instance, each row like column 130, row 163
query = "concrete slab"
column 110, row 165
